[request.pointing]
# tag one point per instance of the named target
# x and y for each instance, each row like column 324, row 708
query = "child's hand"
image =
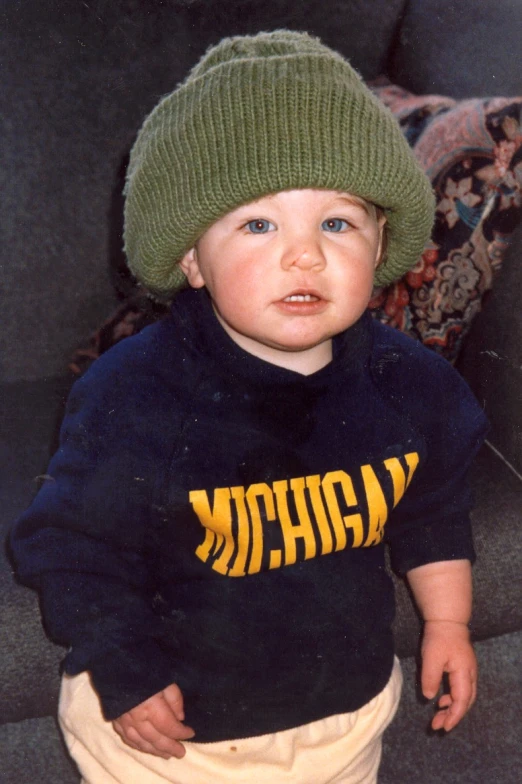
column 446, row 647
column 156, row 725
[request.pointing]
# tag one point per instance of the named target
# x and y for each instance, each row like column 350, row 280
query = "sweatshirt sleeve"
column 432, row 521
column 84, row 543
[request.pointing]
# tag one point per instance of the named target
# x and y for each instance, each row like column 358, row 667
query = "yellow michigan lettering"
column 234, row 534
column 243, row 534
column 400, row 482
column 292, row 532
column 340, row 523
column 313, row 484
column 377, row 507
column 216, row 521
column 260, row 490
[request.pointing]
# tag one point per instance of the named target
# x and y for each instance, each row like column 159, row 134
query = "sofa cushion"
column 460, row 49
column 472, row 153
column 29, row 664
column 363, row 32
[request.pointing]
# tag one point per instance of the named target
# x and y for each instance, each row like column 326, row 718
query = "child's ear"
column 189, row 265
column 383, row 240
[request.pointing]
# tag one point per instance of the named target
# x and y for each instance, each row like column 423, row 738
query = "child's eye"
column 335, row 224
column 260, row 226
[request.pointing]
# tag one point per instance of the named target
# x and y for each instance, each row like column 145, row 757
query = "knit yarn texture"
column 257, row 115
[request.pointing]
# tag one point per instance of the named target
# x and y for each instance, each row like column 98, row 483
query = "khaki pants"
column 343, row 749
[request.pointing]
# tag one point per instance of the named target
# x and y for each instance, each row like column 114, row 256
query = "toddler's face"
column 288, row 272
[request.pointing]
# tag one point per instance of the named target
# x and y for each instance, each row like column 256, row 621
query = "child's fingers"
column 137, row 741
column 153, row 726
column 473, row 682
column 174, row 699
column 165, row 722
column 445, row 701
column 455, row 705
column 431, row 675
column 147, row 739
column 163, row 743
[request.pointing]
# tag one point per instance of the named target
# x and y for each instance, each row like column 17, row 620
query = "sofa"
column 78, row 78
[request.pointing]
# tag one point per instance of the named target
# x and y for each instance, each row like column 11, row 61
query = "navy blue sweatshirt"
column 219, row 522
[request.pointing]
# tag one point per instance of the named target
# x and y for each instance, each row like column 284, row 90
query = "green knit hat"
column 257, row 115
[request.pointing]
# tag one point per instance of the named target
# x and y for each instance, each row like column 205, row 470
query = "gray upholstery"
column 460, row 49
column 492, row 356
column 77, row 80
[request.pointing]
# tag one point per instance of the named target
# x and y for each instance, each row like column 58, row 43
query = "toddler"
column 210, row 546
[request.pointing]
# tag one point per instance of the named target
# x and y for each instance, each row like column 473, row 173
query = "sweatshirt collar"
column 192, row 311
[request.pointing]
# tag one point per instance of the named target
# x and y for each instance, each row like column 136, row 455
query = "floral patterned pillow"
column 472, row 152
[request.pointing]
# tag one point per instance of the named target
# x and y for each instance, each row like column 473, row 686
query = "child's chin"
column 302, row 346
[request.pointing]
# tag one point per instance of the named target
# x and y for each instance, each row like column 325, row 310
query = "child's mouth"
column 303, row 303
column 301, row 298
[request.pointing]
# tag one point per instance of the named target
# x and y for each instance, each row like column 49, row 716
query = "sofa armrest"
column 491, row 359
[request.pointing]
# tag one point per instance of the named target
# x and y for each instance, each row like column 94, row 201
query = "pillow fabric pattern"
column 472, row 152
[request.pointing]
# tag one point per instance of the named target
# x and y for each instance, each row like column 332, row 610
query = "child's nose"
column 304, row 253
